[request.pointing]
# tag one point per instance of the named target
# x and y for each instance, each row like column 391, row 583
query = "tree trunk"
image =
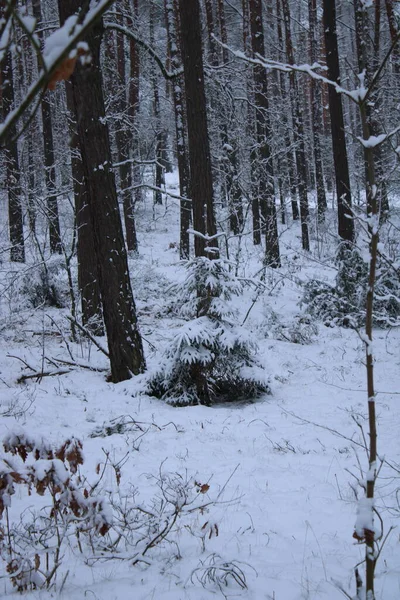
column 201, row 184
column 171, row 11
column 88, row 279
column 289, row 162
column 56, row 246
column 298, row 132
column 124, row 341
column 316, row 113
column 122, row 141
column 159, row 171
column 15, row 216
column 265, row 182
column 345, row 213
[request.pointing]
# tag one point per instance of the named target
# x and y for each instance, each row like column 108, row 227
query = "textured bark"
column 316, row 112
column 298, row 131
column 171, row 11
column 210, row 23
column 159, row 171
column 201, row 184
column 133, row 108
column 289, row 162
column 15, row 216
column 345, row 213
column 49, row 161
column 255, row 206
column 124, row 341
column 88, row 279
column 263, row 132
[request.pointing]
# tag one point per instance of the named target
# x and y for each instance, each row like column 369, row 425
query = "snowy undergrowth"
column 278, row 475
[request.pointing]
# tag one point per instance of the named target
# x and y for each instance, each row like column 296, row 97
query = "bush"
column 210, row 359
column 46, row 285
column 33, row 548
column 344, row 303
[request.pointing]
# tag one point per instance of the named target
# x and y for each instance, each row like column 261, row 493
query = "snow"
column 280, row 508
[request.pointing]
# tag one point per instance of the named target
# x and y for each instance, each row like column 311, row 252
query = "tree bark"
column 15, row 216
column 124, row 341
column 298, row 132
column 171, row 11
column 122, row 141
column 201, row 184
column 56, row 246
column 316, row 113
column 345, row 213
column 265, row 182
column 88, row 279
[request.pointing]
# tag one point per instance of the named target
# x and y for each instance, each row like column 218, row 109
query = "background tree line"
column 179, row 84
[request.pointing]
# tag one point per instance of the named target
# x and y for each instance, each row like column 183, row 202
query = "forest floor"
column 267, row 489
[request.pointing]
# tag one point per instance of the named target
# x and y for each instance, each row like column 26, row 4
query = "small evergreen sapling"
column 211, row 358
column 344, row 303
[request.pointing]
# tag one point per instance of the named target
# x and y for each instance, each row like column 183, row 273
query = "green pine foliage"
column 211, row 359
column 344, row 303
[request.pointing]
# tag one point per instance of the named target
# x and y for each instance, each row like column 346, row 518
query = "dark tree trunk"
column 265, row 182
column 159, row 171
column 201, row 184
column 345, row 213
column 123, row 146
column 368, row 62
column 298, row 132
column 255, row 206
column 316, row 112
column 171, row 11
column 56, row 246
column 124, row 341
column 133, row 109
column 88, row 279
column 15, row 216
column 394, row 31
column 210, row 23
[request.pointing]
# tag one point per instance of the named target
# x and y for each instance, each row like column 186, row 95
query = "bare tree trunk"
column 345, row 213
column 15, row 216
column 122, row 141
column 124, row 341
column 210, row 23
column 56, row 246
column 263, row 128
column 201, row 184
column 133, row 109
column 159, row 179
column 88, row 279
column 255, row 205
column 316, row 113
column 298, row 132
column 289, row 162
column 171, row 11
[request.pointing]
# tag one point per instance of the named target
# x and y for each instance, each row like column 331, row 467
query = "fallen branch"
column 41, row 374
column 89, row 335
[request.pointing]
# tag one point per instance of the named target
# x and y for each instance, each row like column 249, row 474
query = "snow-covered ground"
column 271, row 485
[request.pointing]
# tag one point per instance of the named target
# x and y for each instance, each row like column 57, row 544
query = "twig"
column 41, row 374
column 89, row 335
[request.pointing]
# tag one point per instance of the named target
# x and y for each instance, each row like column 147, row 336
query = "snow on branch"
column 61, row 45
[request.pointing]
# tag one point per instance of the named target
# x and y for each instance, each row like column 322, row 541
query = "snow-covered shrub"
column 211, row 358
column 33, row 547
column 301, row 330
column 46, row 284
column 344, row 303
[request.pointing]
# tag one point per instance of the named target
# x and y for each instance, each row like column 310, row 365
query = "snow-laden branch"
column 59, row 46
column 360, row 95
column 130, row 34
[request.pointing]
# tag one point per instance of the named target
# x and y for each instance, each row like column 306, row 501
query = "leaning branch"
column 130, row 34
column 40, row 85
